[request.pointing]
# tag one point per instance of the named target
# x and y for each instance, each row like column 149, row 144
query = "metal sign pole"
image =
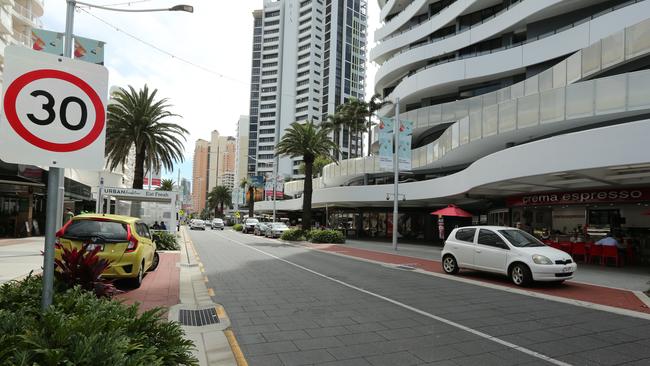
column 275, row 183
column 396, row 127
column 54, row 201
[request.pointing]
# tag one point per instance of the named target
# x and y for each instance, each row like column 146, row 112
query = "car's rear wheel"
column 449, row 264
column 155, row 262
column 137, row 281
column 520, row 275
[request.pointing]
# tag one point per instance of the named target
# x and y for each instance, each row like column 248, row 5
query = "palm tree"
column 247, row 182
column 308, row 141
column 355, row 113
column 374, row 104
column 136, row 119
column 336, row 122
column 218, row 197
column 166, row 185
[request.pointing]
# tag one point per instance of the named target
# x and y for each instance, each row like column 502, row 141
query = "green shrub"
column 327, row 236
column 166, row 241
column 238, row 227
column 293, row 235
column 81, row 329
column 310, row 233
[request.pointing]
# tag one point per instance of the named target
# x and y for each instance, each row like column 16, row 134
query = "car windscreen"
column 279, row 226
column 252, row 221
column 520, row 238
column 106, row 230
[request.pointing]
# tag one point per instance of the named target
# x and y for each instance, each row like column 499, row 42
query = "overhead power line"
column 161, row 50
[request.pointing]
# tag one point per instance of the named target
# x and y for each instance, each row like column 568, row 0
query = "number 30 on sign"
column 54, row 110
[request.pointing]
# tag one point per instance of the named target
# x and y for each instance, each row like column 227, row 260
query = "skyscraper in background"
column 221, row 161
column 308, row 57
column 200, row 165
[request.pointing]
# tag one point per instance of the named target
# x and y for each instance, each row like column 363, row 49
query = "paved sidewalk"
column 610, row 297
column 18, row 257
column 214, row 343
column 159, row 288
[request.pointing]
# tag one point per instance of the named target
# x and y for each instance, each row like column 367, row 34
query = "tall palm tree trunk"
column 138, row 179
column 251, row 202
column 369, row 133
column 307, row 191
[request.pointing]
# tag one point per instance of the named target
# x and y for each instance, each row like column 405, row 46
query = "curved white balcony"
column 442, row 78
column 518, row 120
column 389, row 46
column 390, row 7
column 536, row 159
column 400, row 19
column 28, row 17
column 38, row 7
column 405, row 60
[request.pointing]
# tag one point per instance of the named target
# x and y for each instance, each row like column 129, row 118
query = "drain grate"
column 198, row 318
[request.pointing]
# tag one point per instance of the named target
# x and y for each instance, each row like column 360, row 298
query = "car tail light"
column 62, row 230
column 133, row 241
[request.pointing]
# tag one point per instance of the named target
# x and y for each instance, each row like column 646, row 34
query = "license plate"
column 90, row 247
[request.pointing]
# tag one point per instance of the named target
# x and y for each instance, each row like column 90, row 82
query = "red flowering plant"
column 84, row 269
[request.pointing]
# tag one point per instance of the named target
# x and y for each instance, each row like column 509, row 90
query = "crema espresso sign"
column 581, row 197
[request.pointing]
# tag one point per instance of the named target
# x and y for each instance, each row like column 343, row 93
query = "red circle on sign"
column 14, row 121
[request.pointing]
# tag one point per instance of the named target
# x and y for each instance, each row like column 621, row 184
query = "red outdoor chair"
column 610, row 251
column 595, row 251
column 565, row 246
column 579, row 250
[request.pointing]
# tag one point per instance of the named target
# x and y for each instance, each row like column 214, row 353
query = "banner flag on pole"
column 385, row 139
column 47, row 41
column 404, row 153
column 89, row 50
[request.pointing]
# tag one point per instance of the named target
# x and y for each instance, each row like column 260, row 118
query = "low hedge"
column 166, row 241
column 293, row 235
column 326, row 236
column 238, row 227
column 81, row 329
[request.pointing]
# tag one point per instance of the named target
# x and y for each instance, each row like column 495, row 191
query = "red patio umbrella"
column 452, row 210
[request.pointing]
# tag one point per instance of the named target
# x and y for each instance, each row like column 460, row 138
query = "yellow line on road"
column 221, row 312
column 236, row 350
column 211, row 292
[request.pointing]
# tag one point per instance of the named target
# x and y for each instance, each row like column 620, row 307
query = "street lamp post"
column 56, row 175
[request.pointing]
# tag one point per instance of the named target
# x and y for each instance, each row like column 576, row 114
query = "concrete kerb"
column 213, row 345
column 581, row 303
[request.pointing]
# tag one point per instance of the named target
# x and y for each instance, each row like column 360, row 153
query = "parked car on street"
column 275, row 230
column 260, row 228
column 124, row 241
column 249, row 226
column 217, row 224
column 197, row 224
column 508, row 251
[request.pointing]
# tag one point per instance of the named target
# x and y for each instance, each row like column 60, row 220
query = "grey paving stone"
column 250, row 338
column 305, row 357
column 481, row 360
column 399, row 358
column 365, row 327
column 478, row 347
column 287, row 335
column 269, row 348
column 317, row 343
column 358, row 338
column 357, row 350
column 327, row 331
column 248, row 329
column 430, row 354
column 349, row 362
column 268, row 360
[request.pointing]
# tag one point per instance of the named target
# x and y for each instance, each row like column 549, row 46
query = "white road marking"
column 411, row 308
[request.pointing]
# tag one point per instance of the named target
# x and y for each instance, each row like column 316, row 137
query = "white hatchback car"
column 508, row 251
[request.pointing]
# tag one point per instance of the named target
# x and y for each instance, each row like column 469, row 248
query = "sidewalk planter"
column 165, row 240
column 80, row 328
column 293, row 235
column 326, row 236
column 237, row 227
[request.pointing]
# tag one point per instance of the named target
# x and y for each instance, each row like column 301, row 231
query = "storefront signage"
column 581, row 197
column 138, row 193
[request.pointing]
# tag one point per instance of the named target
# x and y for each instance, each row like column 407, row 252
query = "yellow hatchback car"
column 124, row 241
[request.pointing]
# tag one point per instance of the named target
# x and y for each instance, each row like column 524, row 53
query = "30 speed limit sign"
column 53, row 110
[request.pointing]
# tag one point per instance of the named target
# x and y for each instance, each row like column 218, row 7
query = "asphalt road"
column 294, row 306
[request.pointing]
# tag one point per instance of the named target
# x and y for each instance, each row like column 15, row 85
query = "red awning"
column 452, row 210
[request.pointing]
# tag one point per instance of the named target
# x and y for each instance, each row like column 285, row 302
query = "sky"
column 201, row 61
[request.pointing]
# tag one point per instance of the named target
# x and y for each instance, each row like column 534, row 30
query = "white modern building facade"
column 17, row 19
column 308, row 57
column 531, row 111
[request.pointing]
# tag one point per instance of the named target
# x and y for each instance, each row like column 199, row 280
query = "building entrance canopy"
column 143, row 195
